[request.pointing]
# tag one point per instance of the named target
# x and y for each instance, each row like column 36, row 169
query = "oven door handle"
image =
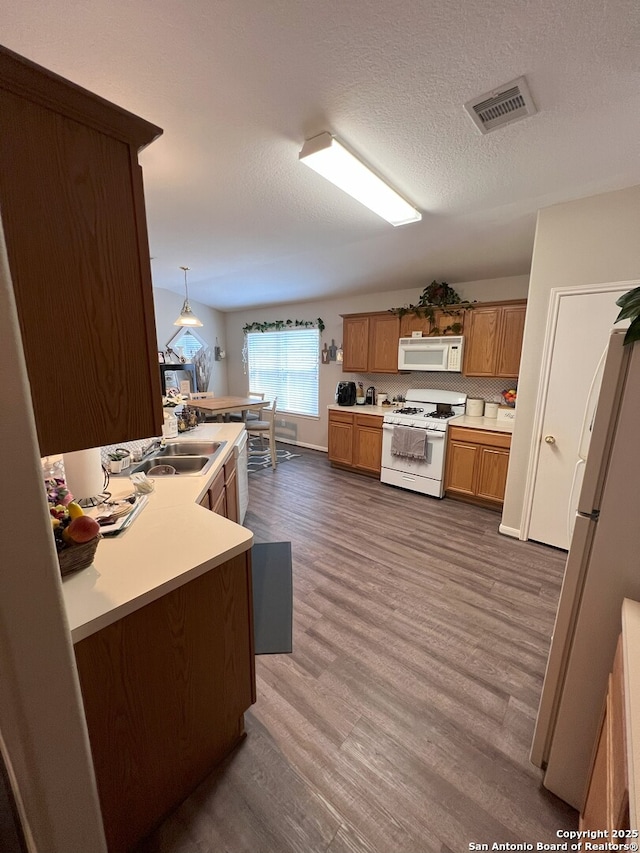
column 432, row 433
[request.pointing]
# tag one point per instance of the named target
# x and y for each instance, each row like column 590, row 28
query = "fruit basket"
column 509, row 397
column 75, row 534
column 73, row 558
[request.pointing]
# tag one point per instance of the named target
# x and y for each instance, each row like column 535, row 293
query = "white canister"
column 381, row 399
column 491, row 409
column 475, row 407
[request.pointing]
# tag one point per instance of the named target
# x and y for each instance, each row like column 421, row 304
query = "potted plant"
column 437, row 296
column 629, row 304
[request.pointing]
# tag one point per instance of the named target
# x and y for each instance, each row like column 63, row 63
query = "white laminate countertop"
column 172, row 541
column 491, row 424
column 363, row 410
column 631, row 666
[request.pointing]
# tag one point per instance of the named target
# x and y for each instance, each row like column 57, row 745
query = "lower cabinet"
column 607, row 803
column 165, row 690
column 477, row 464
column 355, row 442
column 222, row 495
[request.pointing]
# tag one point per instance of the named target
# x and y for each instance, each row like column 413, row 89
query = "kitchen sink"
column 189, row 448
column 176, row 455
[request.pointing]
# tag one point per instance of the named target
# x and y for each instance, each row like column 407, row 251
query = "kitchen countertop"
column 172, row 541
column 363, row 410
column 491, row 424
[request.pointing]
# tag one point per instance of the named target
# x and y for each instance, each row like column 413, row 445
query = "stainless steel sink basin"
column 194, row 464
column 189, row 448
column 181, row 464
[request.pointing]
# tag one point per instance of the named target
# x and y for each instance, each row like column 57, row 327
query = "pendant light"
column 187, row 317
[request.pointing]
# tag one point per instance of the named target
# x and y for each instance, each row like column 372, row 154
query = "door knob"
column 550, row 439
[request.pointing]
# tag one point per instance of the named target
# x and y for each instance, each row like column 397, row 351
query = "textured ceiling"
column 238, row 85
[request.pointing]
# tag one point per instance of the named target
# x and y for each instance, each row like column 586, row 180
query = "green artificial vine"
column 437, row 296
column 278, row 325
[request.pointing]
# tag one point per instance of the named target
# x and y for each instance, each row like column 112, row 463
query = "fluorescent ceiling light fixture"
column 328, row 157
column 187, row 317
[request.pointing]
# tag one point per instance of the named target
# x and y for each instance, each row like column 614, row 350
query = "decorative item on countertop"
column 510, row 397
column 170, row 424
column 119, row 460
column 188, row 419
column 474, row 407
column 360, row 398
column 76, row 536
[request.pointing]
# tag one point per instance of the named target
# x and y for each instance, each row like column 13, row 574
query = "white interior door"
column 583, row 323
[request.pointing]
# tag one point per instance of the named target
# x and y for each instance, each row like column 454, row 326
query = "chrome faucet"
column 155, row 444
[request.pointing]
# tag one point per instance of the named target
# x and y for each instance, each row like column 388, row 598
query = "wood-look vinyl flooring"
column 403, row 719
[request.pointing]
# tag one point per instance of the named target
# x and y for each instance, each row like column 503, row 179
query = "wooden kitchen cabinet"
column 493, row 339
column 370, row 342
column 607, row 802
column 355, row 442
column 222, row 496
column 476, row 465
column 410, row 323
column 73, row 215
column 165, row 689
column 218, row 495
column 341, row 438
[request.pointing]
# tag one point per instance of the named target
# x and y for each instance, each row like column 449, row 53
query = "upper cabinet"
column 442, row 323
column 72, row 205
column 493, row 338
column 370, row 343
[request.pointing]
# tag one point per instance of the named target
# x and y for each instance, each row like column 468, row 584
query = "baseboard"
column 302, row 444
column 509, row 531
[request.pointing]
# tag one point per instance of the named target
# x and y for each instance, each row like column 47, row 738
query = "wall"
column 168, row 306
column 312, row 432
column 589, row 241
column 43, row 736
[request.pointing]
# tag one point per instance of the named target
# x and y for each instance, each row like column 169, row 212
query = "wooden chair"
column 266, row 425
column 254, row 414
column 204, row 395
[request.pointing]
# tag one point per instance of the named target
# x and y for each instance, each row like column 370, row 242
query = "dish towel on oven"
column 409, row 442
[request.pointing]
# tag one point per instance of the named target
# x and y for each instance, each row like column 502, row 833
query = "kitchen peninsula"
column 162, row 628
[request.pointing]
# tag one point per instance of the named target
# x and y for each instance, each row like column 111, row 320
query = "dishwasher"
column 241, row 452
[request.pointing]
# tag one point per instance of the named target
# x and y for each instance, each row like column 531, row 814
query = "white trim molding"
column 555, row 297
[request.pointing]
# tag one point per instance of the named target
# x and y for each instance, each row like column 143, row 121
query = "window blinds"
column 284, row 364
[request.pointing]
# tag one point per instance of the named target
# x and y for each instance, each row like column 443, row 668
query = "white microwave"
column 443, row 354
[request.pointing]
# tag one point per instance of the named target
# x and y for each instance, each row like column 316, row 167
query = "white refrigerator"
column 603, row 568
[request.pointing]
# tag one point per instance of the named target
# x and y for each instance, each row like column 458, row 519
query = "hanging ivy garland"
column 278, row 325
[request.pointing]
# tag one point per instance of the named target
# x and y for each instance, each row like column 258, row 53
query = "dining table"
column 226, row 405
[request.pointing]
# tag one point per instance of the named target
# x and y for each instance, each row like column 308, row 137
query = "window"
column 284, row 364
column 186, row 342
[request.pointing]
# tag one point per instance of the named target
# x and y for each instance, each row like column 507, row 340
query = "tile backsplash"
column 473, row 386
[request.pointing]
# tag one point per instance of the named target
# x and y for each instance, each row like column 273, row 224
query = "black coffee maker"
column 346, row 393
column 370, row 396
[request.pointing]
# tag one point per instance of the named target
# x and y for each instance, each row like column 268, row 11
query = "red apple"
column 82, row 529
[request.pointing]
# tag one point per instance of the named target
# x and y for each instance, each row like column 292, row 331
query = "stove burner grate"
column 437, row 414
column 408, row 410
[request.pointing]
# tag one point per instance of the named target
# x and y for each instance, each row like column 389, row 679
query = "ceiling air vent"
column 503, row 105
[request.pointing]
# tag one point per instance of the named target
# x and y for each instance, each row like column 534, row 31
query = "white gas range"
column 414, row 440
